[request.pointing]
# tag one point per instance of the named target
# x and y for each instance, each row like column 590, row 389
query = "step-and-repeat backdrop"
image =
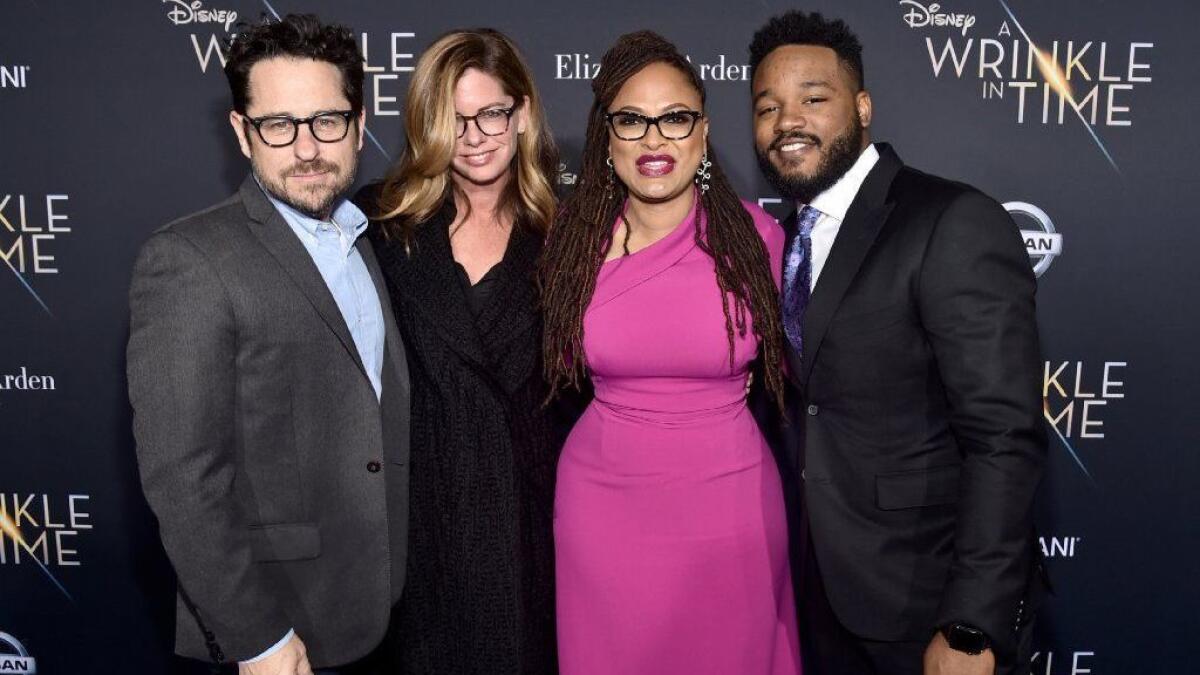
column 113, row 122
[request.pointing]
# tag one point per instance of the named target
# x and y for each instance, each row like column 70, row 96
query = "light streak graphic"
column 27, row 286
column 10, row 529
column 272, row 10
column 1066, row 443
column 1057, row 81
column 377, row 144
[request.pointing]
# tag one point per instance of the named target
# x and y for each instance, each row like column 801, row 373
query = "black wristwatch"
column 966, row 639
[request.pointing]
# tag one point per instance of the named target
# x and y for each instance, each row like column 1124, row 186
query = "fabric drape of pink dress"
column 669, row 524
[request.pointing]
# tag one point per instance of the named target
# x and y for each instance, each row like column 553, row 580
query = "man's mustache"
column 795, row 136
column 315, row 166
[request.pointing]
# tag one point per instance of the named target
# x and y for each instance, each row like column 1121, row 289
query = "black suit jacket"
column 917, row 426
column 279, row 480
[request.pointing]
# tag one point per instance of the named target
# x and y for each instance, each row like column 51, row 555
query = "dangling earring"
column 702, row 173
column 608, row 186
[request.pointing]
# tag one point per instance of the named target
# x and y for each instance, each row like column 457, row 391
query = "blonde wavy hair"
column 417, row 186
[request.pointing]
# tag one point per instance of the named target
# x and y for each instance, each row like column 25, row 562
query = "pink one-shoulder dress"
column 670, row 532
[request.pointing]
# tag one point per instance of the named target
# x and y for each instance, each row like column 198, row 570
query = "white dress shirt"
column 833, row 205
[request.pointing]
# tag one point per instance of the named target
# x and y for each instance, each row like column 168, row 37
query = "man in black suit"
column 269, row 383
column 916, row 429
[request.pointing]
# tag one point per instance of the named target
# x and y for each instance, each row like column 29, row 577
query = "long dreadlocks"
column 582, row 234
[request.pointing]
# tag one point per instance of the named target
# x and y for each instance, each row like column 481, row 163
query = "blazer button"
column 373, row 466
column 803, row 474
column 813, row 410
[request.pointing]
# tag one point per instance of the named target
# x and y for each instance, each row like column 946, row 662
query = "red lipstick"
column 655, row 165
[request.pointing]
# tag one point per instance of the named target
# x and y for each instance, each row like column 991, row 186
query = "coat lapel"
column 432, row 288
column 512, row 307
column 395, row 345
column 277, row 236
column 509, row 324
column 866, row 216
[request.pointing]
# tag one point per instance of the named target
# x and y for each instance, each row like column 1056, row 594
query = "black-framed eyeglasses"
column 673, row 126
column 490, row 122
column 279, row 131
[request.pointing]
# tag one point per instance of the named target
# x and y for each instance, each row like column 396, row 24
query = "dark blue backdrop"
column 114, row 123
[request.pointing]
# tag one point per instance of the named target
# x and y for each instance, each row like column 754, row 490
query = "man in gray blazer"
column 268, row 380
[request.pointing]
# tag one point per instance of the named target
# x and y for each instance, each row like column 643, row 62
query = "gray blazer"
column 280, row 482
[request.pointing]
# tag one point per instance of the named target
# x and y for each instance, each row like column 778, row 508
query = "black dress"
column 479, row 597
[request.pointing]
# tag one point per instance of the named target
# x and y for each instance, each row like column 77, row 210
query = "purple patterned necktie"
column 797, row 278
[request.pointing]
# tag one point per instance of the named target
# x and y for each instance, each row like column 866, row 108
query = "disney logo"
column 920, row 16
column 181, row 13
column 565, row 177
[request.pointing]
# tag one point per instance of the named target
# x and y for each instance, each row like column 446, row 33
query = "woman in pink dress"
column 670, row 535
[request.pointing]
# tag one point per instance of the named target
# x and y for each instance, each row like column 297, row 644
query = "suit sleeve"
column 977, row 305
column 181, row 367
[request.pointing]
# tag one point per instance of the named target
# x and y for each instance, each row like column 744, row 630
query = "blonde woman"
column 460, row 225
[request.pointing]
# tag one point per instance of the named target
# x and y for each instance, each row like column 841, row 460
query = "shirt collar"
column 835, row 201
column 348, row 217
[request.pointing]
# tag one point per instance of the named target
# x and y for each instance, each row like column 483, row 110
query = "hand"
column 291, row 659
column 942, row 659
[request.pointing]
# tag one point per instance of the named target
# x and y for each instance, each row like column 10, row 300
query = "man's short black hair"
column 808, row 28
column 301, row 36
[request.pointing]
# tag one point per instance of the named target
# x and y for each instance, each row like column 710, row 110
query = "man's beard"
column 315, row 201
column 843, row 153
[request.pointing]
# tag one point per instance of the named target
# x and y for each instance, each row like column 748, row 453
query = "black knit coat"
column 479, row 597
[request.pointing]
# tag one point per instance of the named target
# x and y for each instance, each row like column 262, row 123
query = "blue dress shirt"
column 331, row 245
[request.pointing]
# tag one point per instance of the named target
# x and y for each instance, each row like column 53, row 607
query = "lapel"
column 431, row 286
column 395, row 345
column 509, row 324
column 866, row 216
column 277, row 237
column 512, row 307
